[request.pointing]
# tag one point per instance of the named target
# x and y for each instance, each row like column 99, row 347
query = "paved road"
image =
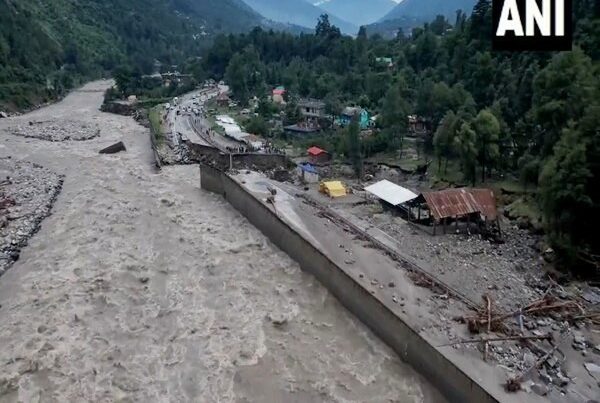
column 197, row 128
column 182, row 125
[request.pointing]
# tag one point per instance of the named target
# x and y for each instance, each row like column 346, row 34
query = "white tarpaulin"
column 232, row 129
column 391, row 193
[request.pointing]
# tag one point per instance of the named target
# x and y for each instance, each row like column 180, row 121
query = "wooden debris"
column 514, row 384
column 543, row 305
column 489, row 328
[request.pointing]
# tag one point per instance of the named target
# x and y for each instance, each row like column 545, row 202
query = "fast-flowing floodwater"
column 141, row 287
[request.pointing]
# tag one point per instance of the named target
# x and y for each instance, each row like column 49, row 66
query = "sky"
column 317, row 2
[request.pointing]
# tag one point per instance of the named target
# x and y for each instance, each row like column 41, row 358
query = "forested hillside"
column 46, row 46
column 534, row 117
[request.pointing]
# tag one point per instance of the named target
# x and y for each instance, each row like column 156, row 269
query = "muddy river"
column 141, row 287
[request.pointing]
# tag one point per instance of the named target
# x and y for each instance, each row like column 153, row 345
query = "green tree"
column 333, row 107
column 570, row 190
column 465, row 143
column 292, row 113
column 563, row 193
column 245, row 74
column 257, row 125
column 128, row 80
column 394, row 117
column 265, row 108
column 487, row 129
column 355, row 147
column 362, row 33
column 561, row 92
column 325, row 29
column 443, row 140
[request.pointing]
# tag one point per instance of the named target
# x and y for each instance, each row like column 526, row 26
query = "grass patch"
column 514, row 186
column 152, row 102
column 525, row 208
column 156, row 129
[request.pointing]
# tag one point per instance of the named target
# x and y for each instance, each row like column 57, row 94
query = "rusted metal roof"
column 314, row 150
column 486, row 200
column 461, row 202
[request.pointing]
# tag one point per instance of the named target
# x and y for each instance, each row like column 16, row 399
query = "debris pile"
column 174, row 152
column 542, row 330
column 542, row 335
column 182, row 153
column 489, row 320
column 27, row 194
column 471, row 263
column 57, row 131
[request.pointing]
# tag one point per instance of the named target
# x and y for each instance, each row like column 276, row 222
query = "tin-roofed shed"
column 317, row 155
column 455, row 204
column 451, row 203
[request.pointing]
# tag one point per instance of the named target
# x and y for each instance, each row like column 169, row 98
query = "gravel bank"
column 28, row 191
column 57, row 130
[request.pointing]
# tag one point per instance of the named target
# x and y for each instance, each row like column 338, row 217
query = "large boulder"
column 113, row 149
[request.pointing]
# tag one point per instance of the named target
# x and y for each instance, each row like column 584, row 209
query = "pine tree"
column 465, row 143
column 443, row 140
column 487, row 130
column 354, row 147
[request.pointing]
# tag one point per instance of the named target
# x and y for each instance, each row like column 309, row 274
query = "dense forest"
column 48, row 46
column 531, row 116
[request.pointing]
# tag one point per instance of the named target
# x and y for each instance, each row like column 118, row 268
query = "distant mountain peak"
column 429, row 9
column 359, row 12
column 298, row 12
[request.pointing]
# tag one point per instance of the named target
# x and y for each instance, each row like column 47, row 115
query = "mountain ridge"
column 429, row 9
column 298, row 12
column 49, row 46
column 359, row 12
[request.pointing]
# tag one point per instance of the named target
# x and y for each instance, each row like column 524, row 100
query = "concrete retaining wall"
column 406, row 342
column 263, row 162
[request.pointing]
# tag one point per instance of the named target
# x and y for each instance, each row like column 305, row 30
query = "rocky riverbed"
column 62, row 130
column 27, row 193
